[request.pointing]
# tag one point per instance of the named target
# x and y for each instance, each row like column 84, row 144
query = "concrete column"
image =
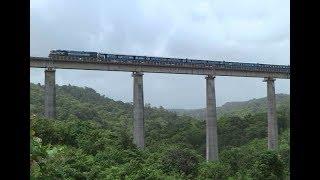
column 272, row 115
column 211, row 122
column 50, row 94
column 138, row 113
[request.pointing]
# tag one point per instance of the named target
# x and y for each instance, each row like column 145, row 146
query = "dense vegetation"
column 92, row 139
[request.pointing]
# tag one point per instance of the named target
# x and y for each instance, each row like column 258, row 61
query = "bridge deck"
column 44, row 62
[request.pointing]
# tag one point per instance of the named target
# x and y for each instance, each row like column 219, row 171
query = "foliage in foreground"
column 91, row 139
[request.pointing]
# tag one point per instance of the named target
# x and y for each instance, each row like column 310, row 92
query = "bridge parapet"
column 39, row 62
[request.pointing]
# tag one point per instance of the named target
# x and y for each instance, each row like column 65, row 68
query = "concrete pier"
column 211, row 121
column 50, row 94
column 272, row 115
column 138, row 112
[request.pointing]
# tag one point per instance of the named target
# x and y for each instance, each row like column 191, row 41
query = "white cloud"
column 248, row 31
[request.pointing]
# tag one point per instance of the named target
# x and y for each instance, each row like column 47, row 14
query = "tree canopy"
column 91, row 138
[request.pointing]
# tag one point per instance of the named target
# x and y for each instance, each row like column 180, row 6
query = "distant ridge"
column 239, row 108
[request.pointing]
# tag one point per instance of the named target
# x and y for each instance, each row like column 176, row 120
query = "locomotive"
column 94, row 56
column 70, row 54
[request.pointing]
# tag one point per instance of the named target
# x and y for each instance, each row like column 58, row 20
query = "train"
column 118, row 58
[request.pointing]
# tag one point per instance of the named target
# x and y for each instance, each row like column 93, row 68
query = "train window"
column 111, row 56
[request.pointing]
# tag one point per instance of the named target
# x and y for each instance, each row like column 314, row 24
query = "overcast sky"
column 232, row 30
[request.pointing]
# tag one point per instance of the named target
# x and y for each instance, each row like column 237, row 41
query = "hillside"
column 239, row 108
column 92, row 139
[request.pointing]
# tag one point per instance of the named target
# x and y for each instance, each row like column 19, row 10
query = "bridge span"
column 268, row 74
column 43, row 62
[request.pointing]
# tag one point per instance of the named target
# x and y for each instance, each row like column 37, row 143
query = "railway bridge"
column 268, row 73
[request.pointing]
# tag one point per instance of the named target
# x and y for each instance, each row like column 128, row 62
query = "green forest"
column 91, row 138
